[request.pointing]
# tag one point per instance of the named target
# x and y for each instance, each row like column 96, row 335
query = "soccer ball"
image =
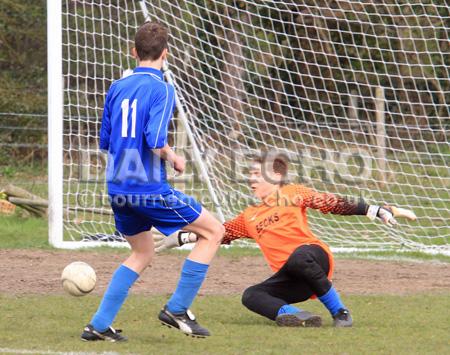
column 78, row 278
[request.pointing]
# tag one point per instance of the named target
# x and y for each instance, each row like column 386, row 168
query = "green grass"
column 431, row 228
column 33, row 179
column 383, row 324
column 18, row 232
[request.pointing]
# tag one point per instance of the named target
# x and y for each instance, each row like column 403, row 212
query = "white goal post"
column 355, row 95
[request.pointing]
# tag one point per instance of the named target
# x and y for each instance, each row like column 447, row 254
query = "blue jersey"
column 137, row 112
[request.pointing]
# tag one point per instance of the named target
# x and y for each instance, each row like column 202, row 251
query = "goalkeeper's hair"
column 150, row 40
column 280, row 164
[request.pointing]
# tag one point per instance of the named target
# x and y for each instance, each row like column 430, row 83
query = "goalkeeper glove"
column 173, row 241
column 388, row 213
column 384, row 213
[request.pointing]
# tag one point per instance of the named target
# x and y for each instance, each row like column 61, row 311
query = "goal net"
column 355, row 94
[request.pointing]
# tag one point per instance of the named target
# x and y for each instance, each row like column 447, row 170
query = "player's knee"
column 304, row 263
column 249, row 296
column 303, row 266
column 216, row 233
column 220, row 232
column 146, row 257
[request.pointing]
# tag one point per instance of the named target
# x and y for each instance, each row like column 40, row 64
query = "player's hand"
column 179, row 164
column 174, row 240
column 388, row 214
column 384, row 213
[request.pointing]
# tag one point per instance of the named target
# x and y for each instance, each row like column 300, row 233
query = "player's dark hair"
column 150, row 40
column 280, row 164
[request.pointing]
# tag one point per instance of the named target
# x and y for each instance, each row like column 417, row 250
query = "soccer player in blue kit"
column 135, row 121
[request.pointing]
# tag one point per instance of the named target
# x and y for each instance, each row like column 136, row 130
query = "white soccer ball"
column 78, row 278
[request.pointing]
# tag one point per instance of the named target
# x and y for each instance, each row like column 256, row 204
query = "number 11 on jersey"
column 125, row 108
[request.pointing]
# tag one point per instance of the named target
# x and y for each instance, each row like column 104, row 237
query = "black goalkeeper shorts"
column 303, row 275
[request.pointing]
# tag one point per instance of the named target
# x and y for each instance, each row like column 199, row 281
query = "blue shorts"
column 167, row 213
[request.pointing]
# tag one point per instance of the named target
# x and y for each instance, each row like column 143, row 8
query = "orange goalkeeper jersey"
column 280, row 224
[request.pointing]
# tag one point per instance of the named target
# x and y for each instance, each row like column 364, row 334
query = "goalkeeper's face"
column 262, row 182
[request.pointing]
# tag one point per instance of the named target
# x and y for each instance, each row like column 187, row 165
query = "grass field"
column 18, row 232
column 383, row 325
column 428, row 197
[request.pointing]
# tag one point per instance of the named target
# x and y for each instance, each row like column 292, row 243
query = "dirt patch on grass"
column 38, row 272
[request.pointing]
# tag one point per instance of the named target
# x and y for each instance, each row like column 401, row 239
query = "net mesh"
column 355, row 94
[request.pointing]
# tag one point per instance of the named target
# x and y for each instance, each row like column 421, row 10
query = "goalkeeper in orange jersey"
column 301, row 262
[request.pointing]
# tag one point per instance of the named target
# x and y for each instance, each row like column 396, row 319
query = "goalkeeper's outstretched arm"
column 330, row 203
column 235, row 229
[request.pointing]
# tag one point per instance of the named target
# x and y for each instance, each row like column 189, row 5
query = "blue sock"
column 332, row 301
column 123, row 278
column 192, row 276
column 287, row 308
